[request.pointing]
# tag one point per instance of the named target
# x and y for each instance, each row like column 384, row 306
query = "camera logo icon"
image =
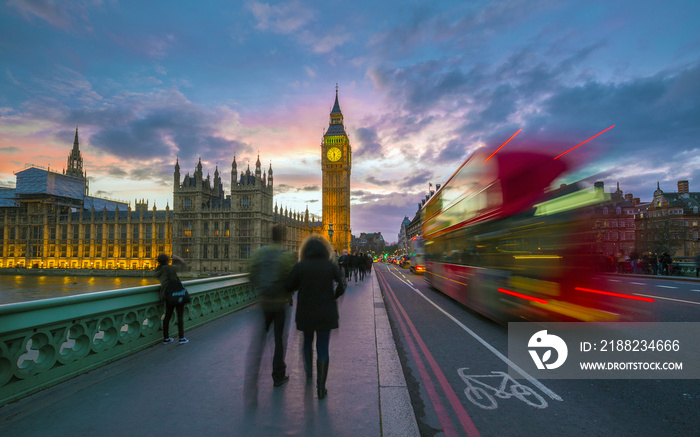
column 541, row 341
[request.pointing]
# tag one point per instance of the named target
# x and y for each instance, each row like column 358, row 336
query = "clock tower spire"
column 336, row 164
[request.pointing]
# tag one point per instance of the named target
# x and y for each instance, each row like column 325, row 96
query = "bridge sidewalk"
column 197, row 388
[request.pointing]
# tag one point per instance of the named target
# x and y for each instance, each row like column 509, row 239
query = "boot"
column 321, row 376
column 308, row 363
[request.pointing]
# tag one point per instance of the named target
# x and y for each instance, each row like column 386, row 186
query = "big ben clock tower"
column 336, row 162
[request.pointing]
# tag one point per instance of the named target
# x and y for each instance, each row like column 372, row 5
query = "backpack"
column 271, row 282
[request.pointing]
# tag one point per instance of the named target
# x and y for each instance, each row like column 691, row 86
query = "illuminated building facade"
column 336, row 164
column 49, row 220
column 216, row 233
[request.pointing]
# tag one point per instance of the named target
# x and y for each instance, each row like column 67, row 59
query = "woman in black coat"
column 317, row 311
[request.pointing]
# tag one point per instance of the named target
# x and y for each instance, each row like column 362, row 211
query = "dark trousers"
column 323, row 339
column 180, row 321
column 278, row 365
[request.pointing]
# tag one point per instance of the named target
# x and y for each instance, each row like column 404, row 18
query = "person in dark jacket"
column 317, row 312
column 269, row 268
column 169, row 283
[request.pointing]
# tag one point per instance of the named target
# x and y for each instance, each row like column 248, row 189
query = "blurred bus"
column 417, row 255
column 500, row 242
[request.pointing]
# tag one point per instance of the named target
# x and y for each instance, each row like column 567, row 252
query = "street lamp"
column 330, row 232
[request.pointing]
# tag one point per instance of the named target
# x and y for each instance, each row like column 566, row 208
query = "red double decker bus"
column 499, row 241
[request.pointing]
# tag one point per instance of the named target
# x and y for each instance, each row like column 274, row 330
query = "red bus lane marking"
column 464, row 418
column 444, row 419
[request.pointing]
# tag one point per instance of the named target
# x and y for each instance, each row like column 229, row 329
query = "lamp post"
column 330, row 233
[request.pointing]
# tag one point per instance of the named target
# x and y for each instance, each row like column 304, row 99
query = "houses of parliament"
column 49, row 220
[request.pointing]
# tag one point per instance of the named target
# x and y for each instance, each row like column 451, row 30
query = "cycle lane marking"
column 477, row 390
column 456, row 403
column 493, row 350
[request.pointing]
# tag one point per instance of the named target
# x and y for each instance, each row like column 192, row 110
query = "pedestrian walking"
column 269, row 269
column 354, row 264
column 344, row 264
column 170, row 283
column 317, row 311
column 697, row 264
column 369, row 264
column 361, row 265
column 634, row 259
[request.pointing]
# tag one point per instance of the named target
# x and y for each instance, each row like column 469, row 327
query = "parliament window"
column 245, row 251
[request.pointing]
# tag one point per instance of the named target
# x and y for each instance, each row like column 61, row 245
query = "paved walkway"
column 197, row 388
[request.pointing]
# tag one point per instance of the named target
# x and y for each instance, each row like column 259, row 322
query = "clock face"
column 334, row 154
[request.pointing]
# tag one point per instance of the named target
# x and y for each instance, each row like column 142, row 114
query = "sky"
column 422, row 85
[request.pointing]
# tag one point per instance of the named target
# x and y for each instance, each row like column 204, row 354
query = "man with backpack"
column 269, row 268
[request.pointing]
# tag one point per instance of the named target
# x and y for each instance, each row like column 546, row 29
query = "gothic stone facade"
column 49, row 220
column 216, row 233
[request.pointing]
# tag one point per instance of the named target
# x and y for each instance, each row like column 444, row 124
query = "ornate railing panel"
column 45, row 342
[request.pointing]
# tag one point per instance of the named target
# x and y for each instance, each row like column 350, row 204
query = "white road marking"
column 638, row 283
column 668, row 298
column 694, row 290
column 493, row 350
column 614, row 280
column 665, row 286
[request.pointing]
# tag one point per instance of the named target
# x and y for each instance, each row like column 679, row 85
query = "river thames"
column 18, row 288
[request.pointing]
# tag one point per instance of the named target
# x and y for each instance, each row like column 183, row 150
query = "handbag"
column 178, row 297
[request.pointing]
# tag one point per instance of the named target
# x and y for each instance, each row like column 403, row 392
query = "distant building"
column 670, row 222
column 613, row 222
column 404, row 240
column 369, row 243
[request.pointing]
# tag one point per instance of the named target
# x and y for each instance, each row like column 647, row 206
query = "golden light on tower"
column 336, row 164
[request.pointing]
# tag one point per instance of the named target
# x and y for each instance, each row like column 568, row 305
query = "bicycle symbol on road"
column 478, row 392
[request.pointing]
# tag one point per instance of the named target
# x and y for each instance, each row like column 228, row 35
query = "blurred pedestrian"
column 697, row 264
column 170, row 283
column 317, row 310
column 369, row 264
column 666, row 262
column 344, row 264
column 621, row 262
column 634, row 259
column 654, row 261
column 361, row 265
column 354, row 264
column 269, row 269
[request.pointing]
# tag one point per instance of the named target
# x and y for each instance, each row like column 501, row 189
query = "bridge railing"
column 45, row 342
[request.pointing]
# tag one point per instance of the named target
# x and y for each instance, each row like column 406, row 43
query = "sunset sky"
column 421, row 86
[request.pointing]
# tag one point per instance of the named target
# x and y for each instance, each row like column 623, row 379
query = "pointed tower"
column 336, row 164
column 176, row 175
column 269, row 176
column 234, row 173
column 258, row 172
column 75, row 159
column 198, row 179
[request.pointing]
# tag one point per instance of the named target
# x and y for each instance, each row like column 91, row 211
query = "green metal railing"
column 45, row 342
